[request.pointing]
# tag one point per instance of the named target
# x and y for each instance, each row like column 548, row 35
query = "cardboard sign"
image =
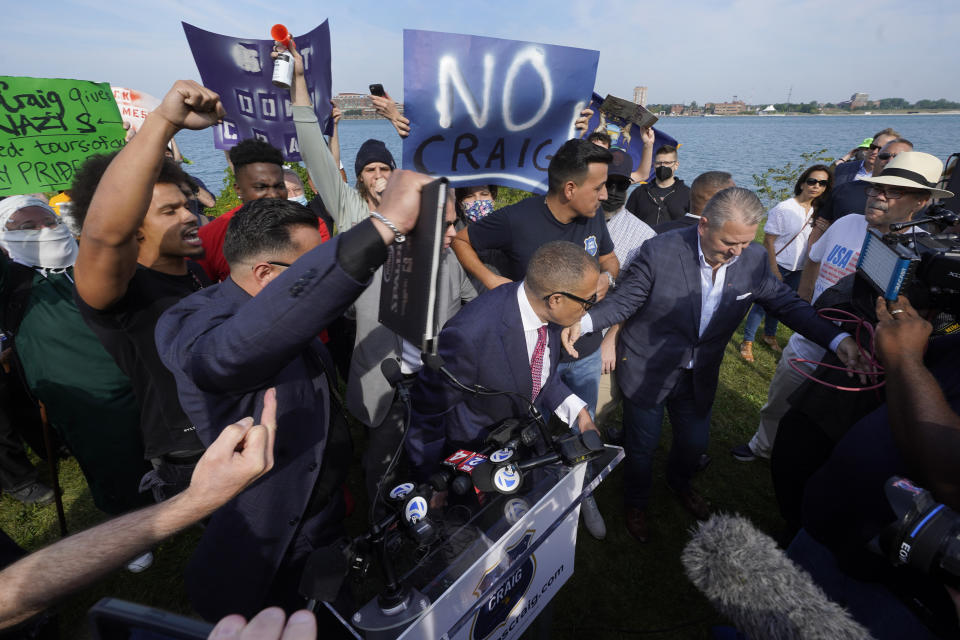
column 48, row 127
column 134, row 105
column 240, row 70
column 623, row 133
column 490, row 111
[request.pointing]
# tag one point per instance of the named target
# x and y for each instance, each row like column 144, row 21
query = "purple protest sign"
column 240, row 70
column 490, row 111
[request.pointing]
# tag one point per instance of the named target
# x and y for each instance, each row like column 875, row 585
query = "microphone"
column 749, row 580
column 390, row 368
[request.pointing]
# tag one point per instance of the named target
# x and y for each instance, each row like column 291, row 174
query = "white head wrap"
column 47, row 248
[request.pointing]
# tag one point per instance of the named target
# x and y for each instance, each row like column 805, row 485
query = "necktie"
column 536, row 362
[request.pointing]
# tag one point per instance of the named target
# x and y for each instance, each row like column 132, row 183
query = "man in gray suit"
column 677, row 320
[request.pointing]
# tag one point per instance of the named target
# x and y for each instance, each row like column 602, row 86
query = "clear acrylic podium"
column 497, row 564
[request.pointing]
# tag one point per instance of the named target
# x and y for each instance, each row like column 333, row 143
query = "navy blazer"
column 225, row 348
column 483, row 344
column 846, row 172
column 658, row 297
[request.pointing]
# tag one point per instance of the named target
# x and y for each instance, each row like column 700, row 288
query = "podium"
column 496, row 567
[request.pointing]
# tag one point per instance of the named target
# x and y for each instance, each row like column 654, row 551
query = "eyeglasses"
column 813, row 181
column 278, row 264
column 33, row 225
column 890, row 193
column 886, row 155
column 874, row 147
column 586, row 302
column 664, row 163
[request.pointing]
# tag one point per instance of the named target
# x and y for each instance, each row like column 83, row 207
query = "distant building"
column 676, row 109
column 729, row 108
column 856, row 101
column 640, row 96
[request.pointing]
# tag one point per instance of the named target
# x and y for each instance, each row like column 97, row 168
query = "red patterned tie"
column 536, row 362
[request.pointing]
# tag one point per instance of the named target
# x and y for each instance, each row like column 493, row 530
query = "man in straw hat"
column 900, row 191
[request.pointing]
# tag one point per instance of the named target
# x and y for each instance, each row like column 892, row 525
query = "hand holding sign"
column 190, row 106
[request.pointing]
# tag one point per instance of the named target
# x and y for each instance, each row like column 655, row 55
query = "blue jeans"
column 757, row 313
column 583, row 378
column 641, row 426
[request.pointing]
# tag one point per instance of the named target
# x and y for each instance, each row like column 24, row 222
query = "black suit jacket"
column 658, row 298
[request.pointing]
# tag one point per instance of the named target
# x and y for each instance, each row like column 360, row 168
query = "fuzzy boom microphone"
column 749, row 580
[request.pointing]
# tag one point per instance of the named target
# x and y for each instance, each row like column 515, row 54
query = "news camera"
column 923, row 267
column 925, row 535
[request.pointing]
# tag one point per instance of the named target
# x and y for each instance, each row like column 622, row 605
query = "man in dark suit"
column 227, row 344
column 508, row 339
column 681, row 299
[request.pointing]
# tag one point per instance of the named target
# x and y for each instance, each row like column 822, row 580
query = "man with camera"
column 896, row 194
column 915, row 435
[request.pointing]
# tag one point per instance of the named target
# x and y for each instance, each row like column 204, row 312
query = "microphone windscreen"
column 323, row 574
column 751, row 581
column 482, row 476
column 390, row 368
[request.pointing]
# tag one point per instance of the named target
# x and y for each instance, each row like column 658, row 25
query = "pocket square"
column 745, row 296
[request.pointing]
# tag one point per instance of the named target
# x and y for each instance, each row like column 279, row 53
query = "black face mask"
column 663, row 173
column 616, row 196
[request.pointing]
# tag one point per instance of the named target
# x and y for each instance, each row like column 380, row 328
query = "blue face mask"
column 301, row 199
column 478, row 209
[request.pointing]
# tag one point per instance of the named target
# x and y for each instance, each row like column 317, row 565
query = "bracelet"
column 397, row 236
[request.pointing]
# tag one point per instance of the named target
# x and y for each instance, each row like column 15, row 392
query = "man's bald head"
column 705, row 186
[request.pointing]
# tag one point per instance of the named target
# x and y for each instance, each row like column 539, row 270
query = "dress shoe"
column 696, row 504
column 746, row 350
column 592, row 518
column 771, row 341
column 636, row 521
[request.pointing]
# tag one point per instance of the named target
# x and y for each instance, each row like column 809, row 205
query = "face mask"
column 301, row 199
column 615, row 199
column 48, row 248
column 478, row 209
column 664, row 173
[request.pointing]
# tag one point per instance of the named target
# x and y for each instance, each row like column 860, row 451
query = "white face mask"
column 300, row 199
column 48, row 248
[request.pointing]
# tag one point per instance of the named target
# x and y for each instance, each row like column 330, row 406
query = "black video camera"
column 923, row 267
column 925, row 535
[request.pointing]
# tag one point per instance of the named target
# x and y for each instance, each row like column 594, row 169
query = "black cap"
column 373, row 151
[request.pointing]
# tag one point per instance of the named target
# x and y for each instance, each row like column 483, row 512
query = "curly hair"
column 253, row 150
column 88, row 176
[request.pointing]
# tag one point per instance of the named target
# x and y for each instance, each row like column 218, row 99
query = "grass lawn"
column 620, row 588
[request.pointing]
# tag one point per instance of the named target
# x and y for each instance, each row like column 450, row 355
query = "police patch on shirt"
column 590, row 245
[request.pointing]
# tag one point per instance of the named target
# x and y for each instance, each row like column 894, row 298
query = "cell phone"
column 113, row 619
column 377, row 90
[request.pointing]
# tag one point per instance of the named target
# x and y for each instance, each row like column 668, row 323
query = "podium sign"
column 511, row 585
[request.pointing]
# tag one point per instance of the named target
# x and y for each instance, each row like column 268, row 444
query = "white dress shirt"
column 572, row 404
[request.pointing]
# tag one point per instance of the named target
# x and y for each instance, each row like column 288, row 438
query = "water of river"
column 741, row 145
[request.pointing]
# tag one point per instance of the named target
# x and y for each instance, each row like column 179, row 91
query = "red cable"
column 845, row 317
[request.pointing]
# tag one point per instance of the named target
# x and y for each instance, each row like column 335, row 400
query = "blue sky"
column 683, row 51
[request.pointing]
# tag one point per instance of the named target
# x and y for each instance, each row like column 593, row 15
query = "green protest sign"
column 48, row 127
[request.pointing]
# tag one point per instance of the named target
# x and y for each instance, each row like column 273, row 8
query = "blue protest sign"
column 623, row 135
column 240, row 70
column 490, row 111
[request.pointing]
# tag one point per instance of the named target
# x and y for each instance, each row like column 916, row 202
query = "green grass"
column 617, row 583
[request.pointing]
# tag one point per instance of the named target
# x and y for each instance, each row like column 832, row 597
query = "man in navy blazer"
column 681, row 299
column 492, row 342
column 227, row 344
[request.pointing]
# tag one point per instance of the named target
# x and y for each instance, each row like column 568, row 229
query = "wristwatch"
column 613, row 283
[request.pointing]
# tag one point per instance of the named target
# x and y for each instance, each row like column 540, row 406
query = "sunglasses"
column 586, row 302
column 874, row 147
column 813, row 181
column 886, row 155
